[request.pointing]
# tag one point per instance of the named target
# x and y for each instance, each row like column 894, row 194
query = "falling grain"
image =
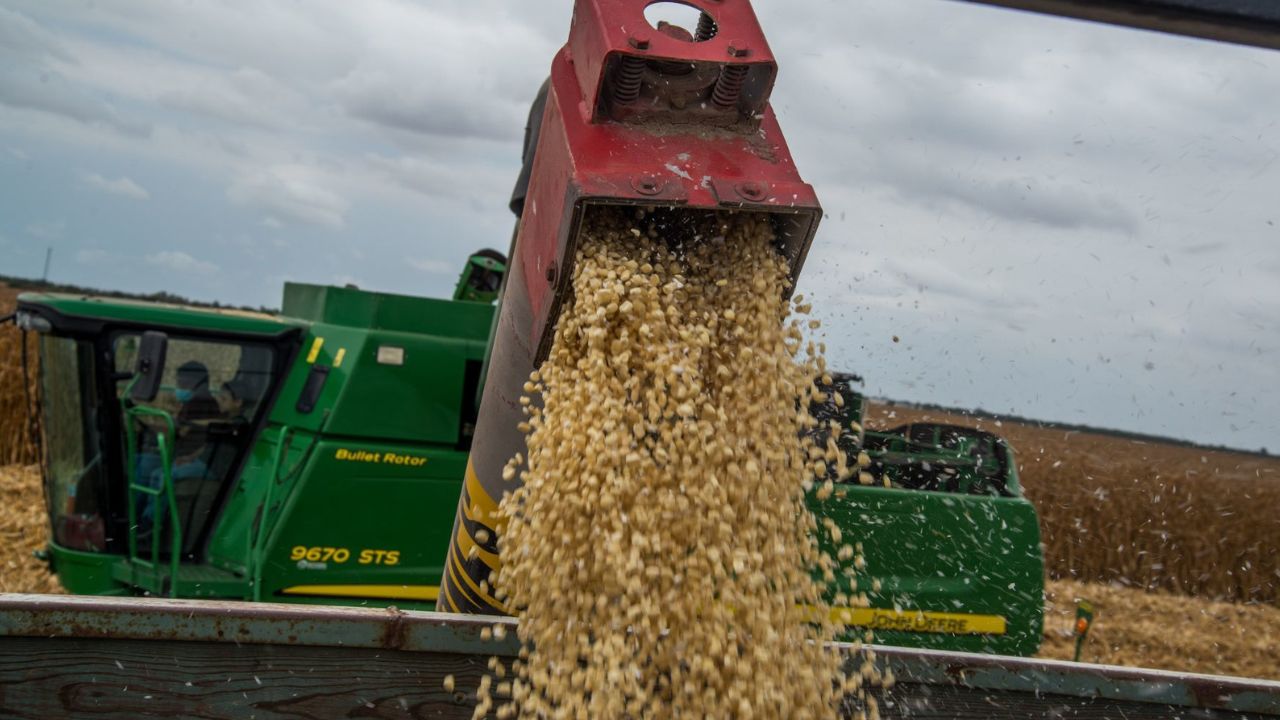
column 660, row 556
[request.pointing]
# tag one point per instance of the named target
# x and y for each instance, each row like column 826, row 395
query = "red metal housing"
column 682, row 140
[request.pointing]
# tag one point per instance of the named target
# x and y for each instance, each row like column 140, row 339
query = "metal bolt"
column 551, row 274
column 751, row 190
column 647, row 185
column 738, row 49
column 638, row 43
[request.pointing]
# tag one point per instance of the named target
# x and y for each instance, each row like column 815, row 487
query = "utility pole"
column 48, row 258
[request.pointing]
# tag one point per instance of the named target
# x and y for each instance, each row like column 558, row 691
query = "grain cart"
column 949, row 534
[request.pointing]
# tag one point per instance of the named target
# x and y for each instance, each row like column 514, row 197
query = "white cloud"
column 34, row 65
column 294, row 192
column 121, row 186
column 180, row 262
column 433, row 266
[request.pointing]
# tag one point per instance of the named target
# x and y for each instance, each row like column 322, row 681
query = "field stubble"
column 15, row 437
column 23, row 530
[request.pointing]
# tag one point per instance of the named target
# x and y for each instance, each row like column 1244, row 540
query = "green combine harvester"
column 317, row 456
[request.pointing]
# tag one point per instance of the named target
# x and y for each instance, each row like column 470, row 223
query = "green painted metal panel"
column 420, row 400
column 946, row 553
column 378, row 513
column 350, row 307
column 84, row 573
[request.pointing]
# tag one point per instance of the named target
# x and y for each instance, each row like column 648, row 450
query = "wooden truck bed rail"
column 93, row 657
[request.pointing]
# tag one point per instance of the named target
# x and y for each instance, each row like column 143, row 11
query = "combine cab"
column 311, row 457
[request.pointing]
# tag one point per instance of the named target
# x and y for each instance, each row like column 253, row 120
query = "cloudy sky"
column 1056, row 219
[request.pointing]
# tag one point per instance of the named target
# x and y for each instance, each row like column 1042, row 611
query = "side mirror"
column 150, row 366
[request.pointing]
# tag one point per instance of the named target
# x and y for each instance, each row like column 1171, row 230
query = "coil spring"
column 729, row 85
column 707, row 28
column 626, row 87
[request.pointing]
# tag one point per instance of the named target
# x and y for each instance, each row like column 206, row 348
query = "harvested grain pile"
column 659, row 553
column 1159, row 630
column 23, row 530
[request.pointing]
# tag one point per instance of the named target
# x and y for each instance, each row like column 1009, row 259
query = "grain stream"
column 659, row 554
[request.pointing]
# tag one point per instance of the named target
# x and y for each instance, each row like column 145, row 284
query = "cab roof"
column 67, row 311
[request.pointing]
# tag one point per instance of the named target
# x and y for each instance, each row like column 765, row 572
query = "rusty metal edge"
column 251, row 623
column 1034, row 675
column 146, row 619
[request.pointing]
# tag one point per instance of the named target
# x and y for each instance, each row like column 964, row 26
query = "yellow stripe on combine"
column 390, row 592
column 468, row 585
column 315, row 350
column 480, row 501
column 466, row 542
column 919, row 621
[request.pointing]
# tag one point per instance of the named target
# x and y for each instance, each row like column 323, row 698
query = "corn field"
column 16, row 446
column 1154, row 516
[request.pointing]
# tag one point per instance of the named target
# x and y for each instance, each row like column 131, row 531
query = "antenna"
column 48, row 258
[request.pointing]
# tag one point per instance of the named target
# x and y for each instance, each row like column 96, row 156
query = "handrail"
column 134, row 484
column 273, row 477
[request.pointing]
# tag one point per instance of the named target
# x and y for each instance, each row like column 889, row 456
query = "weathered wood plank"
column 44, row 678
column 103, row 679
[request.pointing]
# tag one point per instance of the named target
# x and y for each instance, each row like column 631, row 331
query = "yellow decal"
column 337, row 359
column 379, row 557
column 339, row 555
column 390, row 592
column 919, row 621
column 319, row 554
column 385, row 458
column 315, row 350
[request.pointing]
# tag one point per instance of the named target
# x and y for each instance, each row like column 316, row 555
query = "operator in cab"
column 197, row 402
